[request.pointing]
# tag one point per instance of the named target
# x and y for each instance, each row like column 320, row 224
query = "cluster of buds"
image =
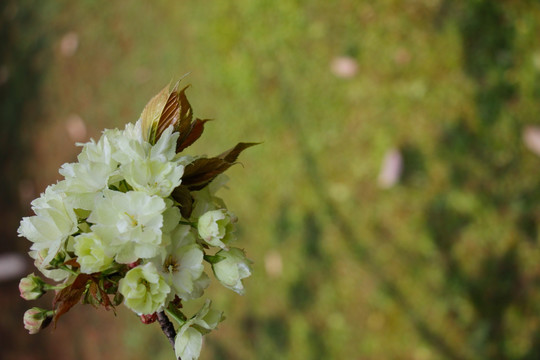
column 133, row 222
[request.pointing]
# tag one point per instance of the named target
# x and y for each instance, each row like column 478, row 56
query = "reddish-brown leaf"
column 73, row 263
column 70, row 295
column 192, row 135
column 79, row 283
column 105, row 301
column 93, row 289
column 171, row 113
column 91, row 296
column 232, row 154
column 182, row 195
column 186, row 113
column 202, row 171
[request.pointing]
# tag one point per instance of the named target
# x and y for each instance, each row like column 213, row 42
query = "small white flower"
column 153, row 176
column 54, row 222
column 84, row 182
column 129, row 224
column 91, row 253
column 86, row 178
column 144, row 290
column 183, row 266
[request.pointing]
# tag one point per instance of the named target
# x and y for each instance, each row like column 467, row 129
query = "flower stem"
column 64, row 267
column 167, row 327
column 192, row 224
column 175, row 314
column 48, row 287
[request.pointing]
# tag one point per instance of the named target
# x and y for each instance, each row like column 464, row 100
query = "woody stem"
column 167, row 327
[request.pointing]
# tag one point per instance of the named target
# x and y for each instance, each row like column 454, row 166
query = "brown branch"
column 167, row 327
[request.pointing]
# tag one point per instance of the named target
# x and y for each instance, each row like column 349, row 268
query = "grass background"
column 445, row 265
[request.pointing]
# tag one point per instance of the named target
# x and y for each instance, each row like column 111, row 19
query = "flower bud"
column 216, row 227
column 31, row 287
column 58, row 260
column 232, row 269
column 148, row 318
column 36, row 319
column 134, row 264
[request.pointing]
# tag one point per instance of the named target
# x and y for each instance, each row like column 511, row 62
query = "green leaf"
column 213, row 259
column 118, row 299
column 174, row 312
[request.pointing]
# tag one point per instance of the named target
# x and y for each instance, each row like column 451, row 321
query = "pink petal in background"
column 531, row 138
column 76, row 128
column 391, row 169
column 344, row 67
column 69, row 44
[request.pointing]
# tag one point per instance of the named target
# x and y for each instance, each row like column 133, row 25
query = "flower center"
column 146, row 284
column 134, row 221
column 170, row 265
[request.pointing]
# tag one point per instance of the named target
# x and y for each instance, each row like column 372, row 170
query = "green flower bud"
column 58, row 260
column 232, row 269
column 216, row 227
column 31, row 287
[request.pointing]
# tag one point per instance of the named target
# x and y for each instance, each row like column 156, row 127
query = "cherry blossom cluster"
column 133, row 222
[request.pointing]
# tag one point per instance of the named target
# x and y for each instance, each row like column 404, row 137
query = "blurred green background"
column 445, row 264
